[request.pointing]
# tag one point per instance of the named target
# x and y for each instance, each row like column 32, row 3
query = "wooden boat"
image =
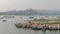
column 4, row 20
column 26, row 26
column 21, row 25
column 8, row 16
column 38, row 26
column 31, row 17
column 53, row 27
column 1, row 17
column 18, row 25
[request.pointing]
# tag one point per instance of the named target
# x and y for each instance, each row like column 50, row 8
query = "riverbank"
column 51, row 21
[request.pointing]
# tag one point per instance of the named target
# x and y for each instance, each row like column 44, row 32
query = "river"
column 8, row 27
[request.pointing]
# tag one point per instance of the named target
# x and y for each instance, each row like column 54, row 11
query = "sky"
column 25, row 4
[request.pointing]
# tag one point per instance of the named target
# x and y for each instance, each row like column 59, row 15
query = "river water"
column 8, row 27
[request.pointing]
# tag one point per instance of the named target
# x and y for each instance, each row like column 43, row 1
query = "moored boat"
column 19, row 25
column 38, row 26
column 4, row 20
column 1, row 17
column 53, row 27
column 8, row 16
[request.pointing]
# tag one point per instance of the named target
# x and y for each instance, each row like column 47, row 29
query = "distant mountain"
column 31, row 12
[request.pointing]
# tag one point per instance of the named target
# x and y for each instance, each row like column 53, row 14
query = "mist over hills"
column 31, row 12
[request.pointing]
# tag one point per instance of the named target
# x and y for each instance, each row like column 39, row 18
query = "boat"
column 21, row 25
column 1, row 17
column 4, row 20
column 18, row 25
column 8, row 16
column 31, row 17
column 53, row 27
column 38, row 26
column 20, row 17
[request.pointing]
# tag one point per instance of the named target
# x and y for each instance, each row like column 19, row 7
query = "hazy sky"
column 24, row 4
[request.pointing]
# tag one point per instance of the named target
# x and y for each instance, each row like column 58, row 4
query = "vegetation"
column 52, row 21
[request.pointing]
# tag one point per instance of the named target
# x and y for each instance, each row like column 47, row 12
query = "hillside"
column 31, row 12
